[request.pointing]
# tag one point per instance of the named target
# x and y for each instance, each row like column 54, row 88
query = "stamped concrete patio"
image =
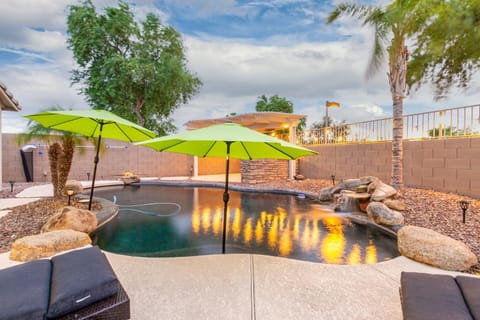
column 243, row 286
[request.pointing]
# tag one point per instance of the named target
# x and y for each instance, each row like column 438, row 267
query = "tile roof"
column 7, row 101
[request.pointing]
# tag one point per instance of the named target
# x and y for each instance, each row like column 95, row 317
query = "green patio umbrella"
column 227, row 140
column 94, row 124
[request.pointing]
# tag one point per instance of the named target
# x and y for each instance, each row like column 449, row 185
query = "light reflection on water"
column 263, row 223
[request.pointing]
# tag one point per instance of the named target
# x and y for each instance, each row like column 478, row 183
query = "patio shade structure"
column 227, row 140
column 94, row 124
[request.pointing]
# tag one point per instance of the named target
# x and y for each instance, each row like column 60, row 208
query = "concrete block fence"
column 448, row 165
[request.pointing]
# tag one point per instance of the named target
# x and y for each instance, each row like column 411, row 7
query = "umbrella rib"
column 279, row 150
column 210, row 148
column 121, row 130
column 246, row 151
column 60, row 123
column 142, row 132
column 173, row 145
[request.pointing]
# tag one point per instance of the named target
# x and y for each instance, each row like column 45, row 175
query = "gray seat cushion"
column 24, row 290
column 470, row 287
column 432, row 297
column 80, row 278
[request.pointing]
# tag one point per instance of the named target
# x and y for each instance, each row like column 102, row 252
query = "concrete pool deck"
column 247, row 286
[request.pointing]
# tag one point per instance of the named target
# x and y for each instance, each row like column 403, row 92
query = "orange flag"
column 332, row 104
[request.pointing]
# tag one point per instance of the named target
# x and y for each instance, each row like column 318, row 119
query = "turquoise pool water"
column 165, row 221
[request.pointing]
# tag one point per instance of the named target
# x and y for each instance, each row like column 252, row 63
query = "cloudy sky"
column 240, row 49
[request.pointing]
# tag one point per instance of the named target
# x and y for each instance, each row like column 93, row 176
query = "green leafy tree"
column 447, row 51
column 444, row 132
column 393, row 25
column 336, row 132
column 273, row 104
column 135, row 69
column 277, row 104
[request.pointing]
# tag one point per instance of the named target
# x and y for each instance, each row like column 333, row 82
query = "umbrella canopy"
column 245, row 144
column 95, row 124
column 227, row 140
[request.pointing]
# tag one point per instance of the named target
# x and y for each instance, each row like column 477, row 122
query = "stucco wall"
column 217, row 166
column 451, row 165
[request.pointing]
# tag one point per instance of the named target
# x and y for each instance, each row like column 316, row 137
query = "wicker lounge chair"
column 76, row 285
column 437, row 297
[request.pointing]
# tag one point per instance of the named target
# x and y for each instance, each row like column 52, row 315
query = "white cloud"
column 38, row 87
column 234, row 71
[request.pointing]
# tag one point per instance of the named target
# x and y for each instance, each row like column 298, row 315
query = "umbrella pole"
column 95, row 167
column 226, row 197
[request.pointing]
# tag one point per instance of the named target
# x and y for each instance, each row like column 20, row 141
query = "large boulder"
column 430, row 247
column 72, row 218
column 351, row 184
column 381, row 214
column 366, row 180
column 130, row 179
column 47, row 244
column 382, row 192
column 74, row 185
column 326, row 194
column 395, row 204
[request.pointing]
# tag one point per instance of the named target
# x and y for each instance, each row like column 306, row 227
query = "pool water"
column 165, row 221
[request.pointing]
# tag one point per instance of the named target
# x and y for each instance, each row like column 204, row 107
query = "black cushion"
column 24, row 290
column 432, row 297
column 470, row 287
column 80, row 278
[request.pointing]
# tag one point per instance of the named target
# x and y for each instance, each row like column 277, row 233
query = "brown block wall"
column 347, row 161
column 115, row 158
column 451, row 165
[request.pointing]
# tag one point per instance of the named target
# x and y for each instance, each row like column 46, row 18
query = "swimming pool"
column 165, row 221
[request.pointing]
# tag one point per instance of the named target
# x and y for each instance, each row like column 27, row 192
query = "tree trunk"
column 64, row 164
column 138, row 111
column 397, row 80
column 53, row 155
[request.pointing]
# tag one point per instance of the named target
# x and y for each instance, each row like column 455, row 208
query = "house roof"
column 260, row 121
column 7, row 101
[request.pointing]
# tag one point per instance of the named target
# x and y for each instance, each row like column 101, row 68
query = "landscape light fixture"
column 12, row 183
column 333, row 179
column 70, row 194
column 464, row 205
column 88, row 176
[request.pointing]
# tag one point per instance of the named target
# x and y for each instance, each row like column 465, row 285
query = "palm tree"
column 60, row 151
column 393, row 25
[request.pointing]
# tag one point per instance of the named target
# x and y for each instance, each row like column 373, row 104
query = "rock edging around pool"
column 377, row 201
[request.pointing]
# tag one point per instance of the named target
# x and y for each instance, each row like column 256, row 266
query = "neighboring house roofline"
column 7, row 101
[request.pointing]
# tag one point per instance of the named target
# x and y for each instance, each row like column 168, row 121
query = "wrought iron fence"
column 441, row 124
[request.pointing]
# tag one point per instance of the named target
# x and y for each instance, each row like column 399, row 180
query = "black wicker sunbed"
column 76, row 285
column 439, row 297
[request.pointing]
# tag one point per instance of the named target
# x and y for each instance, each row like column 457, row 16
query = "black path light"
column 70, row 194
column 464, row 205
column 12, row 183
column 333, row 179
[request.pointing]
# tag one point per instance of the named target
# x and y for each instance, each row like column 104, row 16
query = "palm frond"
column 349, row 9
column 369, row 16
